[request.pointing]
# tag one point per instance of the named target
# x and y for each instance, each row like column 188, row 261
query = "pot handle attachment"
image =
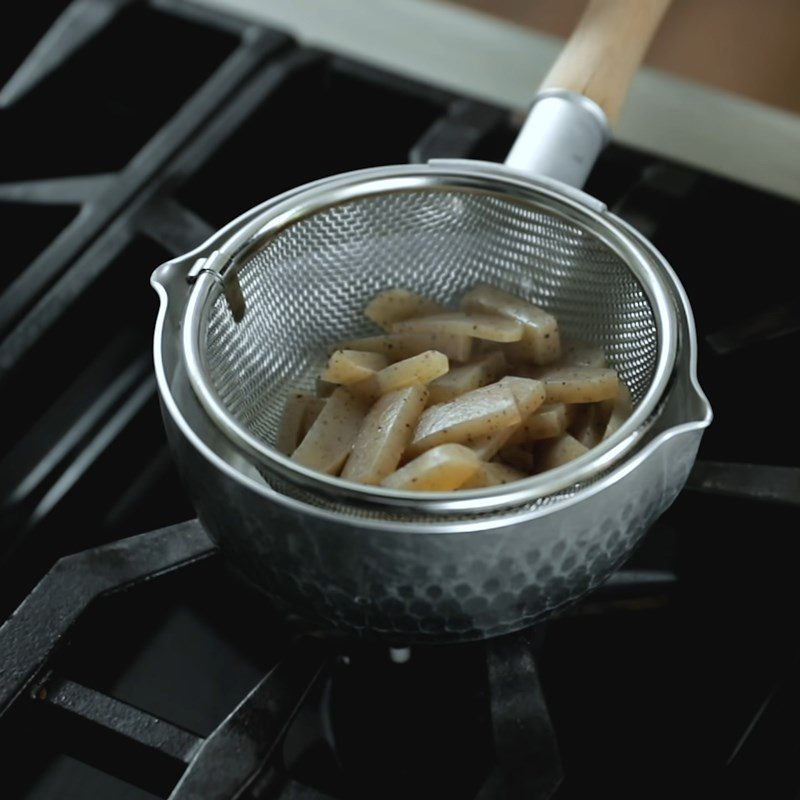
column 582, row 95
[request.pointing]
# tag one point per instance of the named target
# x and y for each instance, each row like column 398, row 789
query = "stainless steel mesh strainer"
column 306, row 268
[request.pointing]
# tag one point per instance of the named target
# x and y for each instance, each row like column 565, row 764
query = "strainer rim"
column 477, row 177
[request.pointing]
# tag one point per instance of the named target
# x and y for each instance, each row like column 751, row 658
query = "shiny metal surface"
column 437, row 579
column 308, row 264
column 561, row 138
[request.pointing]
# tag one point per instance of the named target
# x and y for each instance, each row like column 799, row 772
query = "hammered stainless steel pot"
column 395, row 567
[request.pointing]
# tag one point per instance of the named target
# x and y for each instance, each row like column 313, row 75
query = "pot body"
column 410, row 586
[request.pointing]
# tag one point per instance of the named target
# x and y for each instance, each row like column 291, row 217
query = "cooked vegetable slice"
column 327, row 444
column 459, row 380
column 529, row 396
column 384, row 435
column 487, row 447
column 418, row 369
column 351, row 366
column 546, row 423
column 440, row 469
column 540, row 339
column 477, row 413
column 575, row 353
column 621, row 409
column 492, row 474
column 492, row 327
column 290, row 431
column 579, row 384
column 396, row 346
column 324, row 388
column 589, row 424
column 528, row 393
column 554, row 453
column 313, row 410
column 394, row 305
column 520, row 457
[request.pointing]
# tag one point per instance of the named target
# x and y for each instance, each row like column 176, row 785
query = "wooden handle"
column 605, row 50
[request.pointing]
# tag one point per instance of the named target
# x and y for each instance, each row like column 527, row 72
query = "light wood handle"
column 605, row 50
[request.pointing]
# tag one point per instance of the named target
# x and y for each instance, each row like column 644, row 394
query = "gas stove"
column 132, row 665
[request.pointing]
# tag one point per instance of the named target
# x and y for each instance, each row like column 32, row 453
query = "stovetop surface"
column 678, row 677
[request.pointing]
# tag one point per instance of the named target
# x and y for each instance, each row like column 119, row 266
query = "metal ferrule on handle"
column 561, row 138
column 582, row 95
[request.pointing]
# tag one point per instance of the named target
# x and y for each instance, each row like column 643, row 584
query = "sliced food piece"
column 394, row 305
column 579, row 384
column 440, row 469
column 351, row 366
column 529, row 396
column 492, row 327
column 620, row 409
column 487, row 447
column 519, row 456
column 459, row 380
column 540, row 342
column 480, row 412
column 493, row 474
column 528, row 393
column 313, row 410
column 290, row 431
column 559, row 451
column 330, row 439
column 396, row 346
column 384, row 435
column 575, row 353
column 423, row 368
column 325, row 388
column 589, row 424
column 546, row 423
